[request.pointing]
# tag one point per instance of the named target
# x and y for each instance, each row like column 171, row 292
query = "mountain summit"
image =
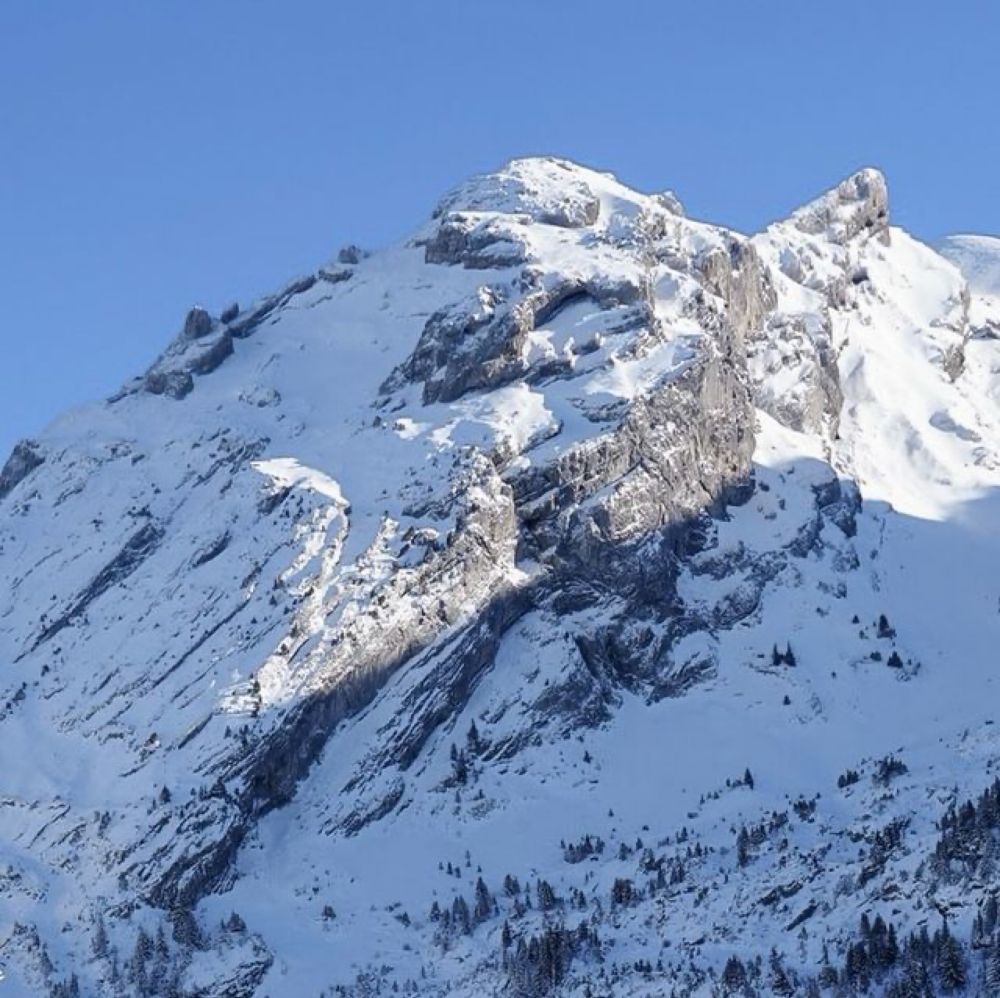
column 575, row 598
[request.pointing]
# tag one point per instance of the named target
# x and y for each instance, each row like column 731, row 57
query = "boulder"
column 198, row 323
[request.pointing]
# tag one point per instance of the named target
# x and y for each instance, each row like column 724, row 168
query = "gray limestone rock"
column 858, row 204
column 206, row 360
column 197, row 324
column 24, row 458
column 815, row 398
column 173, row 384
column 350, row 254
column 476, row 243
column 549, row 191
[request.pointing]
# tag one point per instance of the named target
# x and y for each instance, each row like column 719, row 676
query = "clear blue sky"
column 158, row 154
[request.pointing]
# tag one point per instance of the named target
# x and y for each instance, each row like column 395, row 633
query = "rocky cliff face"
column 456, row 547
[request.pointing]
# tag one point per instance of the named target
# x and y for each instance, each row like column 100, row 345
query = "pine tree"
column 546, row 896
column 460, row 915
column 459, row 765
column 161, row 948
column 891, row 946
column 505, row 935
column 743, row 847
column 140, row 957
column 99, row 944
column 484, row 901
column 622, row 892
column 777, row 977
column 185, row 928
column 827, row 972
column 734, row 975
column 951, row 963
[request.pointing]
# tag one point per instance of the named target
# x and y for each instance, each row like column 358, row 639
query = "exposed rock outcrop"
column 549, row 191
column 859, row 204
column 197, row 324
column 24, row 458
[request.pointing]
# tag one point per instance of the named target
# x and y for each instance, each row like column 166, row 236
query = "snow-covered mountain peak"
column 547, row 190
column 550, row 522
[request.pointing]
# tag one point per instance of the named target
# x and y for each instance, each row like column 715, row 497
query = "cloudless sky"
column 158, row 154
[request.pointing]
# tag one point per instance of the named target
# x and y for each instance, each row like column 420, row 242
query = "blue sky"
column 158, row 154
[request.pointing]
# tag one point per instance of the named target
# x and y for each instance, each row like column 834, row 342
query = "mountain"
column 575, row 598
column 978, row 257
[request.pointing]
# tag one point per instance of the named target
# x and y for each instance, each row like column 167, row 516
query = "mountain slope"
column 555, row 521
